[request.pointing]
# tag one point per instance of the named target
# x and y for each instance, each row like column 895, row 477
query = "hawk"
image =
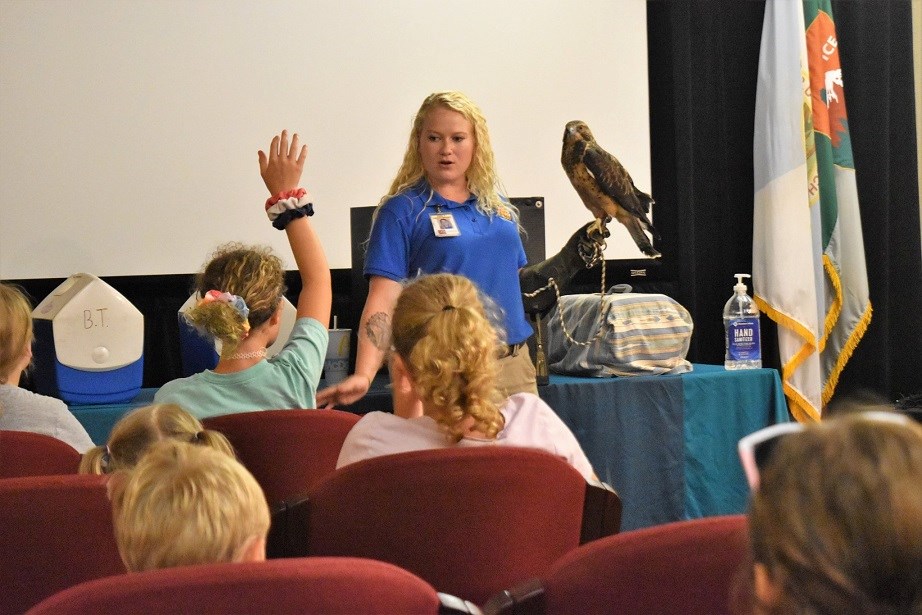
column 605, row 186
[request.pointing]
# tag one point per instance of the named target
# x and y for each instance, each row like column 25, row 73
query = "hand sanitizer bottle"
column 741, row 326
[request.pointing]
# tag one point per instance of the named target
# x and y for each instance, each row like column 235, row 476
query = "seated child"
column 141, row 428
column 242, row 289
column 443, row 368
column 24, row 410
column 836, row 519
column 183, row 505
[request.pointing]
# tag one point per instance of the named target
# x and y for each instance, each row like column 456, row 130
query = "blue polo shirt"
column 488, row 250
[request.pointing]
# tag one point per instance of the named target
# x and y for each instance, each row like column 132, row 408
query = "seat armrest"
column 601, row 512
column 526, row 598
column 452, row 605
column 288, row 529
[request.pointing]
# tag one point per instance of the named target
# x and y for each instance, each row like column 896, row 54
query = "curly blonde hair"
column 15, row 327
column 251, row 272
column 482, row 179
column 442, row 331
column 140, row 429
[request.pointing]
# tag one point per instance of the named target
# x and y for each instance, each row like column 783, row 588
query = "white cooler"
column 89, row 343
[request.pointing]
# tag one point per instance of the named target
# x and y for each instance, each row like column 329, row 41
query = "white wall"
column 129, row 128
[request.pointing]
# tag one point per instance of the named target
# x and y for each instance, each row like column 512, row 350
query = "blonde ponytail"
column 442, row 333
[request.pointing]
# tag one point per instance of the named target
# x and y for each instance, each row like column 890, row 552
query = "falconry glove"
column 580, row 252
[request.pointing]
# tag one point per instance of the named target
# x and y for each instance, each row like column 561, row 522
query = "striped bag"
column 641, row 334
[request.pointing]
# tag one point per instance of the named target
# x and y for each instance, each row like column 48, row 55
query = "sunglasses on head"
column 756, row 449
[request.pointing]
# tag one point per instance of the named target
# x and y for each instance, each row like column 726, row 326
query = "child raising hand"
column 242, row 289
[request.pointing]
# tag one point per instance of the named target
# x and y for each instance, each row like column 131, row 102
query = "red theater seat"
column 57, row 532
column 311, row 585
column 681, row 568
column 287, row 451
column 23, row 453
column 470, row 521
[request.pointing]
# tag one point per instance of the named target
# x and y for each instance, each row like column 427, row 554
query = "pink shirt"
column 530, row 423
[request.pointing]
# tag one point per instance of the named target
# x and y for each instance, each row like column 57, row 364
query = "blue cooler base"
column 110, row 387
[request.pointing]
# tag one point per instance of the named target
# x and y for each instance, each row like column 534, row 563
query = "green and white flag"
column 809, row 271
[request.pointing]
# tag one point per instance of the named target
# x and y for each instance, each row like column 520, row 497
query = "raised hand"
column 281, row 169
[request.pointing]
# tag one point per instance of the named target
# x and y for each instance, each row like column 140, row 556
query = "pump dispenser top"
column 740, row 286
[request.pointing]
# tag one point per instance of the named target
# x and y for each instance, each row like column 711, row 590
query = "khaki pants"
column 517, row 373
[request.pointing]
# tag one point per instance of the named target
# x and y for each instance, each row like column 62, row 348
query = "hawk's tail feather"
column 646, row 201
column 636, row 230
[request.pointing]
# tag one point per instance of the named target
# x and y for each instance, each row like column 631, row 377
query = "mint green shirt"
column 287, row 380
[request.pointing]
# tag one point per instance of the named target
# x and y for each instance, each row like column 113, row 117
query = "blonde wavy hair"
column 184, row 505
column 837, row 518
column 140, row 429
column 482, row 179
column 251, row 272
column 15, row 327
column 443, row 333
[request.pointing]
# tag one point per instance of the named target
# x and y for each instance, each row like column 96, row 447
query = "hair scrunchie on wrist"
column 288, row 205
column 285, row 194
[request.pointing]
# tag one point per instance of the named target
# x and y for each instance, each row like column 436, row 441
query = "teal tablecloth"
column 720, row 407
column 668, row 443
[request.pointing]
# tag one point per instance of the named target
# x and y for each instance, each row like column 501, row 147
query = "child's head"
column 860, row 400
column 15, row 330
column 138, row 430
column 251, row 273
column 836, row 522
column 444, row 338
column 184, row 505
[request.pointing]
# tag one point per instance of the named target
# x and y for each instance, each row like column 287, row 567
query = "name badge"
column 444, row 225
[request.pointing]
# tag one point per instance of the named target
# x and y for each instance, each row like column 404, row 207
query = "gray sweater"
column 27, row 411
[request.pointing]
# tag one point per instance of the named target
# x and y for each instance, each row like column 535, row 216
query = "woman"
column 443, row 213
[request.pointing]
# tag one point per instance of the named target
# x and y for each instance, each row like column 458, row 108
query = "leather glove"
column 563, row 266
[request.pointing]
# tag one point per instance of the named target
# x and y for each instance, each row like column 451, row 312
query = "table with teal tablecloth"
column 667, row 443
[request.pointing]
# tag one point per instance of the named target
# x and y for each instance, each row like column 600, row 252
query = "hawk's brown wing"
column 614, row 181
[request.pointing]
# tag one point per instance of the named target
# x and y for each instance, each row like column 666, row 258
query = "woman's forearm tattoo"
column 378, row 330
